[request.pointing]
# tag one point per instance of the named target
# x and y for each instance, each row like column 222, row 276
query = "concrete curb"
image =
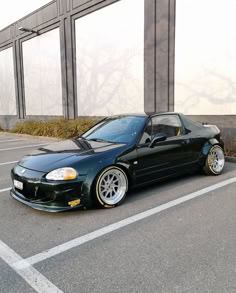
column 230, row 159
column 30, row 136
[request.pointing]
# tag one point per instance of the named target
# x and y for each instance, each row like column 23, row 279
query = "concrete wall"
column 227, row 125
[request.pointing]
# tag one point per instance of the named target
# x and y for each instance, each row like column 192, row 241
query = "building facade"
column 88, row 58
column 101, row 57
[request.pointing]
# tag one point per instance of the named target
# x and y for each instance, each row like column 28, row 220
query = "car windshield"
column 122, row 129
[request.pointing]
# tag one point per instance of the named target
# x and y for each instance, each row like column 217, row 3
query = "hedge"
column 54, row 128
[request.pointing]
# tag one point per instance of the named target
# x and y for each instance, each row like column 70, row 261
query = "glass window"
column 205, row 58
column 147, row 134
column 122, row 129
column 170, row 125
column 7, row 83
column 110, row 60
column 42, row 74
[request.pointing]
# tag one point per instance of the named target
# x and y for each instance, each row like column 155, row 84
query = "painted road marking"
column 22, row 147
column 8, row 163
column 110, row 228
column 9, row 140
column 5, row 189
column 36, row 280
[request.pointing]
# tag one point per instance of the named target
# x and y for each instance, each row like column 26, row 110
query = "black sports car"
column 117, row 153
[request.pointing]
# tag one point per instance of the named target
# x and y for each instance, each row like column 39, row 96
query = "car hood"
column 65, row 153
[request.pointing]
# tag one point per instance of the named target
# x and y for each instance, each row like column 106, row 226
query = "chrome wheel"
column 216, row 159
column 112, row 186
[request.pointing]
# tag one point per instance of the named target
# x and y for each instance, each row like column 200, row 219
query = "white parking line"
column 22, row 147
column 5, row 189
column 110, row 228
column 8, row 163
column 9, row 140
column 36, row 280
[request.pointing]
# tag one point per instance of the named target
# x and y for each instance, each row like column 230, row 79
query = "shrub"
column 54, row 128
column 229, row 138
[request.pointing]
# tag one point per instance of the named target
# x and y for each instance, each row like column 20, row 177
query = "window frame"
column 183, row 132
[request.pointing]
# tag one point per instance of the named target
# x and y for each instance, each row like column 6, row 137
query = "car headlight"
column 62, row 174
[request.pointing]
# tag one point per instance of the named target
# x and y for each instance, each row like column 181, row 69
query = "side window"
column 147, row 134
column 170, row 125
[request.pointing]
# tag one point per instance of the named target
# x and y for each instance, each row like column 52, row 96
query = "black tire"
column 111, row 187
column 215, row 161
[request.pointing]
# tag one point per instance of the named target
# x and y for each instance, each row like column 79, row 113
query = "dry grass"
column 230, row 153
column 54, row 128
column 229, row 139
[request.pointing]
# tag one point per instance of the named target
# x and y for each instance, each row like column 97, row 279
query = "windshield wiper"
column 100, row 140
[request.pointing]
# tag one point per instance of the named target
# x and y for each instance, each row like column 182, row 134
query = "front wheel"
column 111, row 187
column 215, row 161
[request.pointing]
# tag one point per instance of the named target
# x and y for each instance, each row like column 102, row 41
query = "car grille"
column 31, row 181
column 30, row 191
column 33, row 193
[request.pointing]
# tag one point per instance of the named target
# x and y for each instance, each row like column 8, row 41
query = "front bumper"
column 54, row 208
column 46, row 195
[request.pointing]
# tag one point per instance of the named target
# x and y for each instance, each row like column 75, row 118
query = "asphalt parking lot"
column 177, row 236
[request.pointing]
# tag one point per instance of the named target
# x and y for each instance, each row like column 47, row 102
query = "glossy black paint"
column 143, row 163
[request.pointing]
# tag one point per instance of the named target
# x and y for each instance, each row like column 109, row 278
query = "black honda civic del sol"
column 118, row 153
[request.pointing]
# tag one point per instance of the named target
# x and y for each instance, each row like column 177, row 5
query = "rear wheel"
column 215, row 161
column 111, row 187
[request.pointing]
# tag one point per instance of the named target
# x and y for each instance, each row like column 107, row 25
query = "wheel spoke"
column 216, row 160
column 104, row 192
column 112, row 186
column 110, row 193
column 107, row 193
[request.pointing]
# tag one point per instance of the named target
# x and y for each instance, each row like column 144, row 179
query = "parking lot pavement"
column 11, row 282
column 12, row 148
column 189, row 247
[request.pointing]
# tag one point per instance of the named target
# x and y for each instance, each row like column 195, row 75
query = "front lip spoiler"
column 43, row 207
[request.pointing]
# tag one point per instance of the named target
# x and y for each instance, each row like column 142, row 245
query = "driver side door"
column 165, row 157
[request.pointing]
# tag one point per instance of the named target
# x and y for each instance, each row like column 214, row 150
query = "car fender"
column 206, row 148
column 88, row 184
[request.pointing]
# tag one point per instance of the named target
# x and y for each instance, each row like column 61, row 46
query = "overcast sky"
column 12, row 10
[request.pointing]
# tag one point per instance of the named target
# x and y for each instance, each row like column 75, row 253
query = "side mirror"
column 157, row 138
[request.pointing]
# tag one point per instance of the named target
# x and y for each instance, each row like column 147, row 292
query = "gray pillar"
column 68, row 68
column 172, row 10
column 149, row 56
column 18, row 71
column 159, row 55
